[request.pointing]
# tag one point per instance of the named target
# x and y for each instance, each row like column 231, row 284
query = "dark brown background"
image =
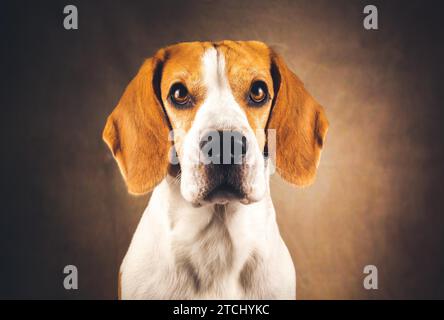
column 379, row 192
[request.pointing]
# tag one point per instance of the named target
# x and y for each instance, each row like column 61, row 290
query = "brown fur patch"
column 300, row 123
column 246, row 62
column 137, row 131
column 246, row 276
column 184, row 66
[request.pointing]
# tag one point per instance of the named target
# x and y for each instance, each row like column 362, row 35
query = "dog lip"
column 223, row 193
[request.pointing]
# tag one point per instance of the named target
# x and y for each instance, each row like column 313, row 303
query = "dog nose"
column 223, row 147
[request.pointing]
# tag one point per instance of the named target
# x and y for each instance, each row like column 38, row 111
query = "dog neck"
column 212, row 241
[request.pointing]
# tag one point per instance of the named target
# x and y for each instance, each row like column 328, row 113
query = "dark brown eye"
column 258, row 92
column 179, row 94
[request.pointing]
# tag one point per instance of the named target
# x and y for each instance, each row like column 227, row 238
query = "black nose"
column 223, row 147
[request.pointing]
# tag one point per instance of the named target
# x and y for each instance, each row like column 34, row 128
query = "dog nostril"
column 243, row 143
column 223, row 147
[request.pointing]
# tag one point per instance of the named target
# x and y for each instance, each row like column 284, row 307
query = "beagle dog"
column 210, row 231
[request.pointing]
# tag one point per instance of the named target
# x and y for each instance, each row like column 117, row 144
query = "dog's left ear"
column 137, row 130
column 300, row 123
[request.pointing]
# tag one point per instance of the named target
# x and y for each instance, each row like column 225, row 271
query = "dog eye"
column 258, row 92
column 179, row 94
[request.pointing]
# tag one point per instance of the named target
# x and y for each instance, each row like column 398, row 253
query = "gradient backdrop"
column 379, row 192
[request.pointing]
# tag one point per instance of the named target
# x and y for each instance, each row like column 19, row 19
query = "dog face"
column 209, row 108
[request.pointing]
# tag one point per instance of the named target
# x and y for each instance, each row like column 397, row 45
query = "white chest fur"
column 212, row 252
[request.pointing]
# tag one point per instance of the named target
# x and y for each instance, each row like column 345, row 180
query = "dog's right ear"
column 137, row 130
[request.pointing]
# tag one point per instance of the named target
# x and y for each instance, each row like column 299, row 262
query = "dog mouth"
column 224, row 193
column 222, row 184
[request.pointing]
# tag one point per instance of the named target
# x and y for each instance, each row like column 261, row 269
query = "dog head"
column 216, row 111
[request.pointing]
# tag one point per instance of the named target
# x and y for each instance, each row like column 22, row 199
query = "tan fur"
column 247, row 61
column 183, row 65
column 137, row 132
column 300, row 124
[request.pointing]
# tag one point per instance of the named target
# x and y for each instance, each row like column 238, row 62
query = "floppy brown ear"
column 137, row 131
column 300, row 124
